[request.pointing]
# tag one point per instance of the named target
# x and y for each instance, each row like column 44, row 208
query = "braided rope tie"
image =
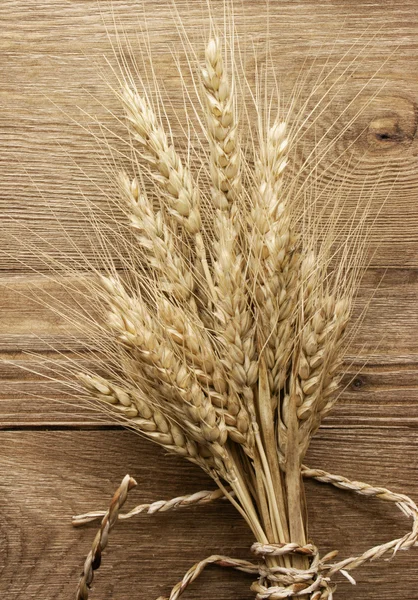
column 94, row 557
column 273, row 583
column 277, row 583
column 290, row 582
column 203, row 497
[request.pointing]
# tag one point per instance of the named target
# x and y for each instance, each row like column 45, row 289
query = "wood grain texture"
column 49, row 476
column 57, row 460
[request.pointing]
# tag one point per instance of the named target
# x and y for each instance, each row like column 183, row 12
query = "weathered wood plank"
column 39, row 313
column 382, row 360
column 377, row 396
column 51, row 54
column 46, row 477
column 53, row 65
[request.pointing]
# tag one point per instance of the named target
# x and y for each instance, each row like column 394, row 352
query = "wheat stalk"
column 228, row 324
column 233, row 321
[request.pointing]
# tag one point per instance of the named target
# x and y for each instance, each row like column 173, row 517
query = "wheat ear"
column 142, row 416
column 222, row 128
column 183, row 196
column 157, row 241
column 182, row 193
column 233, row 321
column 274, row 259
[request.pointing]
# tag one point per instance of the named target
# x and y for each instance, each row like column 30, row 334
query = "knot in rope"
column 278, row 582
column 274, row 582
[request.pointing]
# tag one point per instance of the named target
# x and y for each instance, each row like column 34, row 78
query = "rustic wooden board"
column 49, row 476
column 57, row 460
column 54, row 76
column 382, row 360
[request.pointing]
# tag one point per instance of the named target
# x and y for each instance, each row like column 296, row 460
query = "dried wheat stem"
column 94, row 557
column 289, row 425
column 266, row 444
column 272, row 277
column 311, row 381
column 294, row 486
column 273, row 269
column 241, row 486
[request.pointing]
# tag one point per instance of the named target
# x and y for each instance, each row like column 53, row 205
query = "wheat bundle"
column 227, row 334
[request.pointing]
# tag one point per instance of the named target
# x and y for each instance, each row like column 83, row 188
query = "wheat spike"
column 182, row 193
column 144, row 417
column 158, row 242
column 222, row 128
column 233, row 322
column 274, row 259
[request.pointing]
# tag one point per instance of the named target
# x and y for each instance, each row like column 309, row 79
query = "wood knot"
column 357, row 383
column 388, row 124
column 386, row 132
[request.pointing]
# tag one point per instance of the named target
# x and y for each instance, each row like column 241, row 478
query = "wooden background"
column 56, row 460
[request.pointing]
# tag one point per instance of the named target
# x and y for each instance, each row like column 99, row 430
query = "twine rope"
column 94, row 557
column 273, row 583
column 203, row 497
